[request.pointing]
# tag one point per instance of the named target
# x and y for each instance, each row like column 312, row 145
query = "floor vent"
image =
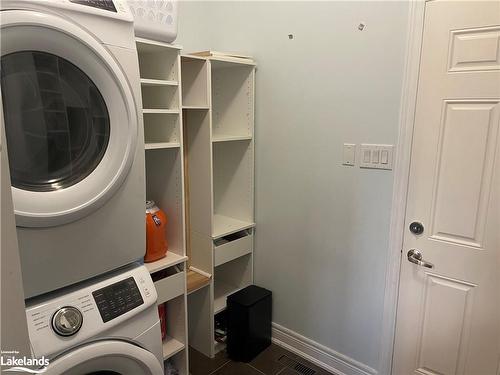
column 295, row 365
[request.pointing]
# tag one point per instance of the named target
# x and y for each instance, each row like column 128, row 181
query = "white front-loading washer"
column 71, row 98
column 105, row 326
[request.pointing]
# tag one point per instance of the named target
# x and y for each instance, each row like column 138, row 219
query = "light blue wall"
column 322, row 228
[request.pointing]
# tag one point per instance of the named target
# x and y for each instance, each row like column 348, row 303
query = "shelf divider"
column 161, row 145
column 225, row 225
column 158, row 82
column 228, row 138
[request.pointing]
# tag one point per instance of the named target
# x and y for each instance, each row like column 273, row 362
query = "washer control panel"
column 117, row 299
column 73, row 315
column 67, row 321
column 101, row 4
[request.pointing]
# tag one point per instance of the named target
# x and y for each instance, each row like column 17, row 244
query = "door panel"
column 446, row 327
column 475, row 49
column 449, row 316
column 465, row 153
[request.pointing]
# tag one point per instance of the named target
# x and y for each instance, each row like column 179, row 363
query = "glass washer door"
column 106, row 357
column 70, row 118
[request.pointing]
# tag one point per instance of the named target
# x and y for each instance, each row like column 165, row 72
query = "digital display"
column 117, row 299
column 101, row 4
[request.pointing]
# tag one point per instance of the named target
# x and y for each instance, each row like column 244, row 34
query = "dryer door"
column 106, row 357
column 70, row 118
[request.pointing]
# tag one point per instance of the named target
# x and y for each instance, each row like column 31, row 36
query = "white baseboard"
column 318, row 354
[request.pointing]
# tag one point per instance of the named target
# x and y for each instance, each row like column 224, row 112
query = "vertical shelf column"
column 218, row 94
column 160, row 70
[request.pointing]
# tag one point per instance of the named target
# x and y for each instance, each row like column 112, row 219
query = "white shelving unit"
column 218, row 126
column 159, row 66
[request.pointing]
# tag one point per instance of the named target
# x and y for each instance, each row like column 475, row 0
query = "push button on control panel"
column 67, row 321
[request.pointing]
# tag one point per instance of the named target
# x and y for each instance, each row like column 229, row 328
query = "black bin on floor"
column 248, row 317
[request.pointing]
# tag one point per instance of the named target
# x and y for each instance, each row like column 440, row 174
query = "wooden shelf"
column 195, row 107
column 146, row 45
column 230, row 62
column 225, row 225
column 196, row 281
column 188, row 57
column 171, row 347
column 158, row 82
column 221, row 291
column 161, row 111
column 161, row 145
column 170, row 260
column 227, row 138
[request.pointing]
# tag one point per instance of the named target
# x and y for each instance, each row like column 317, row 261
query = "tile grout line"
column 248, row 364
column 280, row 371
column 218, row 368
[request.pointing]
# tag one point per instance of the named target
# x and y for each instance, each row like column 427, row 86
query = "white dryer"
column 71, row 99
column 108, row 326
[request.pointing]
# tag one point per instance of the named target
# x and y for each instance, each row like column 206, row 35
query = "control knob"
column 67, row 321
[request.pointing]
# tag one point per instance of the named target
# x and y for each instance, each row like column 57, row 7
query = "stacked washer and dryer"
column 71, row 101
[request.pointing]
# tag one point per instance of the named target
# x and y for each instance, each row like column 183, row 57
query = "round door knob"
column 67, row 321
column 416, row 227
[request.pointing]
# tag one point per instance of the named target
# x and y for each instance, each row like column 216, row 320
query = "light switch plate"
column 376, row 156
column 349, row 154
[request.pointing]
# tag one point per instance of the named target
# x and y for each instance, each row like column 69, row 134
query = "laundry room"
column 251, row 187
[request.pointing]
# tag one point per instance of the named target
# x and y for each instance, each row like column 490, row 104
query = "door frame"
column 401, row 176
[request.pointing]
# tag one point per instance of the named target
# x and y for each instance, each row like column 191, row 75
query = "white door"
column 448, row 319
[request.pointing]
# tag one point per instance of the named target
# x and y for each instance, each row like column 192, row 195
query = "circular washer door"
column 106, row 357
column 70, row 118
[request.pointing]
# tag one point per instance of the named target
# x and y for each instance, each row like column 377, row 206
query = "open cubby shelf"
column 159, row 66
column 233, row 202
column 162, row 128
column 218, row 128
column 232, row 101
column 160, row 97
column 194, row 82
column 229, row 278
column 164, row 186
column 158, row 61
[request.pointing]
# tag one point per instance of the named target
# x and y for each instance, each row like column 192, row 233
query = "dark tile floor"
column 270, row 362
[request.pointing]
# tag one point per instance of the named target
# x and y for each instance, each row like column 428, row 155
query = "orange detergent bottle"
column 156, row 243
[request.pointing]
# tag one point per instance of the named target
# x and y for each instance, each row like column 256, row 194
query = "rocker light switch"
column 367, row 156
column 349, row 154
column 376, row 156
column 384, row 157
